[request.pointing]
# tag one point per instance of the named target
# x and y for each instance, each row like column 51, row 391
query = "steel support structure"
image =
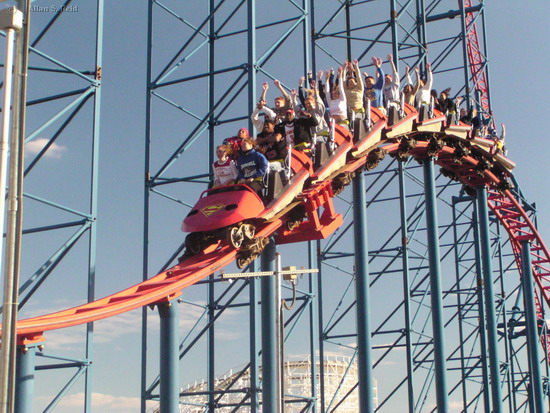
column 25, row 377
column 436, row 297
column 169, row 361
column 61, row 115
column 489, row 298
column 226, row 48
column 362, row 308
column 533, row 334
column 271, row 388
column 404, row 230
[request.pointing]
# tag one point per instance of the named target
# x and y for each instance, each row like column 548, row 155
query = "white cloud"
column 456, row 406
column 389, row 363
column 105, row 331
column 55, row 151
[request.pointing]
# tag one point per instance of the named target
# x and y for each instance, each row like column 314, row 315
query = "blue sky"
column 518, row 87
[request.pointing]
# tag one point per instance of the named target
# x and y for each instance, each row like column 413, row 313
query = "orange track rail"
column 465, row 167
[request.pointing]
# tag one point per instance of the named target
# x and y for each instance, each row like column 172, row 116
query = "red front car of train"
column 221, row 207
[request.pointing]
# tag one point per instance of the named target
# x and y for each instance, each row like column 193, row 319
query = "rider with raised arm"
column 423, row 96
column 336, row 99
column 268, row 115
column 373, row 89
column 392, row 83
column 409, row 90
column 354, row 87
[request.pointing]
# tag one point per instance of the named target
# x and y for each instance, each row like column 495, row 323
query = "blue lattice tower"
column 226, row 50
column 414, row 33
column 226, row 46
column 463, row 64
column 62, row 123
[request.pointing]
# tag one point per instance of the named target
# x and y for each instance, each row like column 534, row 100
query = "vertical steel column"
column 18, row 122
column 254, row 323
column 146, row 198
column 435, row 285
column 251, row 41
column 280, row 338
column 406, row 283
column 364, row 345
column 485, row 52
column 313, row 324
column 9, row 306
column 481, row 314
column 532, row 328
column 321, row 332
column 211, row 338
column 307, row 38
column 465, row 53
column 169, row 357
column 270, row 381
column 312, row 38
column 94, row 201
column 421, row 29
column 490, row 314
column 395, row 40
column 254, row 283
column 24, row 379
column 508, row 351
column 348, row 30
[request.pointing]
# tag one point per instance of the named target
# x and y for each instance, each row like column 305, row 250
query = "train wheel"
column 242, row 262
column 248, row 231
column 235, row 237
column 193, row 244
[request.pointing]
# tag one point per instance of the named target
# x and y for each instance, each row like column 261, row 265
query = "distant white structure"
column 340, row 377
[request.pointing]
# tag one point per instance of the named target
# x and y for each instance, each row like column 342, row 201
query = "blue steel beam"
column 185, row 349
column 94, row 173
column 254, row 320
column 490, row 314
column 169, row 360
column 66, row 388
column 481, row 308
column 436, row 290
column 211, row 356
column 533, row 341
column 364, row 343
column 321, row 331
column 146, row 201
column 270, row 379
column 25, row 375
column 313, row 324
column 406, row 284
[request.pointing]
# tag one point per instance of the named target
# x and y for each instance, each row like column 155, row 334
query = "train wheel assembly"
column 235, row 237
column 248, row 231
column 193, row 243
column 243, row 261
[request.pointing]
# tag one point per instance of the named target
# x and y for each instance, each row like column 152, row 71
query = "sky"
column 516, row 60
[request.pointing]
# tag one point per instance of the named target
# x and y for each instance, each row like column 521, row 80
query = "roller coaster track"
column 476, row 59
column 459, row 158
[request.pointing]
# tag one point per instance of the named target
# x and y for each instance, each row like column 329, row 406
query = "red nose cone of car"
column 221, row 207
